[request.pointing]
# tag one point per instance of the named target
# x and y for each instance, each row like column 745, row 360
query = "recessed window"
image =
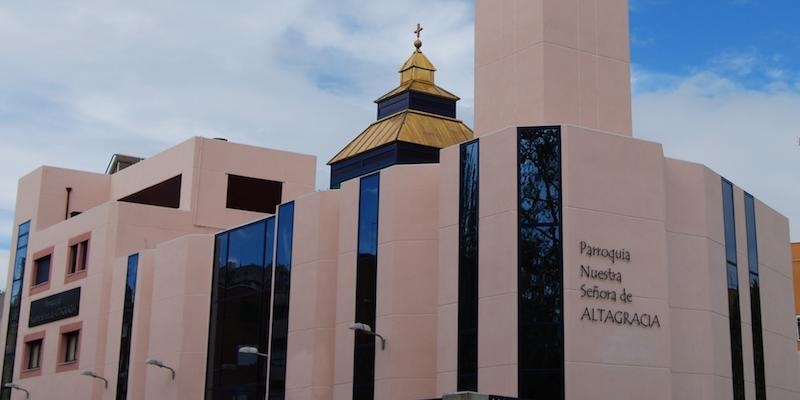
column 34, row 349
column 798, row 328
column 41, row 270
column 253, row 194
column 163, row 194
column 70, row 340
column 77, row 257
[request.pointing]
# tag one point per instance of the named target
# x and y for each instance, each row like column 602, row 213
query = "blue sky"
column 716, row 81
column 747, row 39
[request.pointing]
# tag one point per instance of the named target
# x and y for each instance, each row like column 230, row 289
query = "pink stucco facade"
column 171, row 313
column 563, row 64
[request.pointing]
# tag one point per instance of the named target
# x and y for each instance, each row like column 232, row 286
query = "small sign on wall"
column 53, row 308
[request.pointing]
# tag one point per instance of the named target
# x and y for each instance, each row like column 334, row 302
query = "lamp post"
column 158, row 363
column 359, row 327
column 16, row 387
column 252, row 350
column 91, row 374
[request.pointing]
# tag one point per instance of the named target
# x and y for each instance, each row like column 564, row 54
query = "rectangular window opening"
column 41, row 271
column 34, row 354
column 253, row 194
column 163, row 194
column 77, row 257
column 70, row 342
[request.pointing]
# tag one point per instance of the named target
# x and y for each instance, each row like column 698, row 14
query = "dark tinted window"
column 34, row 354
column 540, row 279
column 253, row 194
column 42, row 270
column 467, row 377
column 734, row 311
column 127, row 327
column 729, row 221
column 280, row 305
column 755, row 296
column 240, row 313
column 366, row 281
column 71, row 343
column 164, row 194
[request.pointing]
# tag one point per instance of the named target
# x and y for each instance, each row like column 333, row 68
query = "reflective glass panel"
column 729, row 223
column 13, row 312
column 280, row 303
column 467, row 375
column 755, row 297
column 366, row 282
column 540, row 274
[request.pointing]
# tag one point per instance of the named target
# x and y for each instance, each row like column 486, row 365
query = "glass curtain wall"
column 735, row 319
column 127, row 327
column 366, row 287
column 10, row 351
column 280, row 302
column 755, row 296
column 467, row 375
column 240, row 312
column 541, row 278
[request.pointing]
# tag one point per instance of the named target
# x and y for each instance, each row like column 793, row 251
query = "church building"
column 545, row 253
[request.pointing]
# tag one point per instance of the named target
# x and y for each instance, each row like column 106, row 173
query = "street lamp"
column 252, row 350
column 16, row 387
column 160, row 364
column 91, row 374
column 359, row 327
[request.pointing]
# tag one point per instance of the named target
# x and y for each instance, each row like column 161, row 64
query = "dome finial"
column 418, row 43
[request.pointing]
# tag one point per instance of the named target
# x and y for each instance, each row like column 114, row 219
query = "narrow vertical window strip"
column 15, row 301
column 540, row 264
column 127, row 327
column 755, row 297
column 215, row 327
column 366, row 287
column 467, row 374
column 280, row 302
column 734, row 311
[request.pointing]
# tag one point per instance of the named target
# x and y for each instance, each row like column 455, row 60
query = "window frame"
column 38, row 358
column 70, row 353
column 38, row 256
column 26, row 371
column 78, row 248
column 798, row 327
column 65, row 332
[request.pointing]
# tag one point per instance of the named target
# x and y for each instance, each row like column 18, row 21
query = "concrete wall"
column 614, row 198
column 312, row 303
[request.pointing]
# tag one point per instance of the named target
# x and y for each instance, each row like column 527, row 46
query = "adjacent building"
column 545, row 254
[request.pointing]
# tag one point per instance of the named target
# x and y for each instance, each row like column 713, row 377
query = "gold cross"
column 419, row 30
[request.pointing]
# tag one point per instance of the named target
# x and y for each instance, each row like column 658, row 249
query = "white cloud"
column 79, row 82
column 749, row 136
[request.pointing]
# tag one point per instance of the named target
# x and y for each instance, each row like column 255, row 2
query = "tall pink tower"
column 541, row 62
